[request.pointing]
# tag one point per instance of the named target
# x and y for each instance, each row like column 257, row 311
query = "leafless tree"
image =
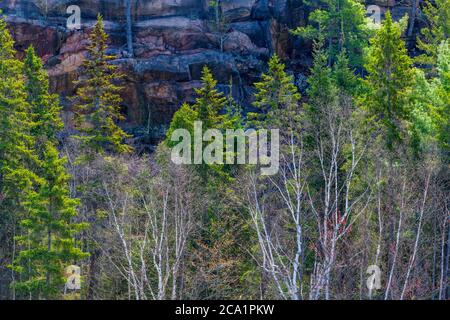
column 338, row 204
column 152, row 221
column 281, row 258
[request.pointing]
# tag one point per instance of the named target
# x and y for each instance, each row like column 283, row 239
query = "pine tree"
column 390, row 79
column 15, row 141
column 45, row 108
column 442, row 109
column 437, row 14
column 276, row 90
column 98, row 100
column 215, row 245
column 210, row 108
column 277, row 98
column 342, row 24
column 48, row 244
column 210, row 103
column 207, row 108
column 344, row 77
column 321, row 85
column 17, row 181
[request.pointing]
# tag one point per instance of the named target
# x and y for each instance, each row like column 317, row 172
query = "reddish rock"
column 172, row 41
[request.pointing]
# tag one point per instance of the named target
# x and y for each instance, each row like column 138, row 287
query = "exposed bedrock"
column 172, row 40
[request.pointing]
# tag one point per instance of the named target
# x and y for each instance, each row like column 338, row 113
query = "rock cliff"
column 171, row 41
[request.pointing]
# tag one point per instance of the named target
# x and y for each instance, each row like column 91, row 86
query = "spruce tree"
column 210, row 102
column 45, row 108
column 390, row 79
column 277, row 98
column 215, row 245
column 344, row 77
column 342, row 24
column 17, row 181
column 276, row 90
column 48, row 243
column 210, row 108
column 321, row 85
column 442, row 109
column 322, row 93
column 437, row 29
column 15, row 140
column 98, row 101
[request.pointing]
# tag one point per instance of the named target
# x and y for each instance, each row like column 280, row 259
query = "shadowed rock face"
column 172, row 40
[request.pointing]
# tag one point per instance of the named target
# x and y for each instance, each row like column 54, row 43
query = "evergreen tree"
column 278, row 100
column 442, row 108
column 437, row 14
column 210, row 108
column 45, row 108
column 216, row 245
column 344, row 77
column 390, row 79
column 15, row 140
column 276, row 90
column 98, row 100
column 48, row 244
column 322, row 92
column 16, row 154
column 97, row 113
column 210, row 103
column 342, row 24
column 321, row 85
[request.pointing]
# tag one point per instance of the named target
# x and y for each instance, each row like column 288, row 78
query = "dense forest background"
column 358, row 210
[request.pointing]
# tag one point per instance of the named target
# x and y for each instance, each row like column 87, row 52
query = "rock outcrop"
column 172, row 40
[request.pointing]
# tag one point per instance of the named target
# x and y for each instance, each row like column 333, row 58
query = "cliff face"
column 172, row 40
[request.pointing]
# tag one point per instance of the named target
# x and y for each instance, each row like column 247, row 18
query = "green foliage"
column 212, row 108
column 424, row 101
column 15, row 141
column 210, row 103
column 45, row 107
column 328, row 149
column 430, row 115
column 390, row 80
column 344, row 77
column 441, row 110
column 47, row 241
column 437, row 29
column 276, row 90
column 98, row 100
column 277, row 98
column 342, row 24
column 321, row 85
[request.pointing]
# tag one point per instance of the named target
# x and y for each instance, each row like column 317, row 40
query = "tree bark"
column 129, row 29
